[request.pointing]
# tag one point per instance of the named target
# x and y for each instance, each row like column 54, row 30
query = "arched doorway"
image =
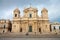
column 20, row 29
column 40, row 30
column 30, row 28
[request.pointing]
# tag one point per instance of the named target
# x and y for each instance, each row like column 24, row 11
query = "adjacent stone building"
column 5, row 26
column 55, row 27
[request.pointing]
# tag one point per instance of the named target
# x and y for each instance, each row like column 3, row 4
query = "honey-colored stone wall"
column 39, row 24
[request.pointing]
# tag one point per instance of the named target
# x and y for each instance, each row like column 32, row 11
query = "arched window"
column 30, row 28
column 20, row 29
column 30, row 15
column 15, row 15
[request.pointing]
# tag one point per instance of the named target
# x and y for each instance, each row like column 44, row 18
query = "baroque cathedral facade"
column 29, row 23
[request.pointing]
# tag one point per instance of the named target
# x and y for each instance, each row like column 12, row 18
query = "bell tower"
column 44, row 13
column 16, row 13
column 16, row 21
column 45, row 21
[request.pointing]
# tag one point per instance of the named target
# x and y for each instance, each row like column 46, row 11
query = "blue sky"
column 53, row 7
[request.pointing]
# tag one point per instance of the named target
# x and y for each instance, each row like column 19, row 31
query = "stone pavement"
column 12, row 35
column 29, row 38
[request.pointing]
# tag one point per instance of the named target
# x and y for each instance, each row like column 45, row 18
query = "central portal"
column 30, row 28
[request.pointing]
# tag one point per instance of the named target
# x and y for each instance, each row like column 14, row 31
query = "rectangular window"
column 54, row 28
column 59, row 27
column 30, row 15
column 4, row 26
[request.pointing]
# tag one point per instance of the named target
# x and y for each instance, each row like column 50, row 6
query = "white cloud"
column 7, row 14
column 53, row 10
column 53, row 7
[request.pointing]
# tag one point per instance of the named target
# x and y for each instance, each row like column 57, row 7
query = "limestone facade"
column 30, row 23
column 55, row 27
column 5, row 26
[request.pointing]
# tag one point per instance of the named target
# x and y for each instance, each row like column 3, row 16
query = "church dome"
column 44, row 9
column 17, row 10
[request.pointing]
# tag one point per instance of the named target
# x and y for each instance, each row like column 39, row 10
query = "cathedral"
column 29, row 23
